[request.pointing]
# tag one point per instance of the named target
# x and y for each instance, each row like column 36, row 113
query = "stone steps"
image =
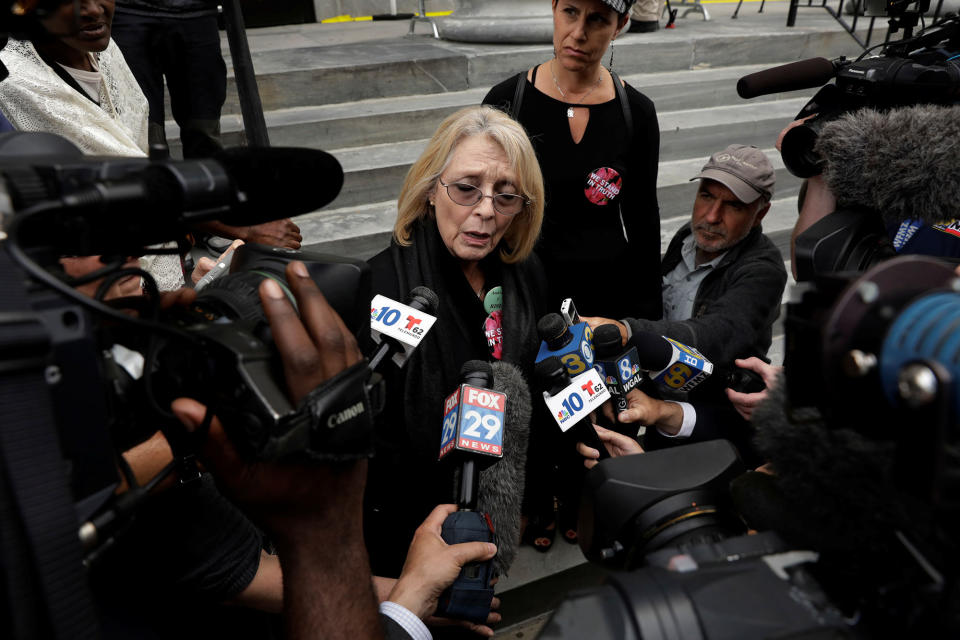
column 334, row 126
column 375, row 172
column 312, row 75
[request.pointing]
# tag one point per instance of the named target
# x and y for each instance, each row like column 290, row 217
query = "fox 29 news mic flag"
column 400, row 328
column 473, row 421
column 473, row 426
column 572, row 344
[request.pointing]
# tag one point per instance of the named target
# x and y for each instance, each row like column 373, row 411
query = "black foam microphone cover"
column 803, row 74
column 653, row 352
column 606, row 341
column 502, row 484
column 551, row 372
column 477, row 373
column 424, row 299
column 552, row 329
column 280, row 182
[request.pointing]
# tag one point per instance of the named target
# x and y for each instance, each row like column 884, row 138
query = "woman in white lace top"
column 76, row 84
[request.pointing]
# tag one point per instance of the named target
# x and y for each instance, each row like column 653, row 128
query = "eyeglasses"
column 467, row 195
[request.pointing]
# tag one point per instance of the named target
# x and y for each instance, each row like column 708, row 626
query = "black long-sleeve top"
column 601, row 249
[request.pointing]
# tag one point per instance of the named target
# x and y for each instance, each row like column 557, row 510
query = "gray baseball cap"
column 620, row 6
column 743, row 169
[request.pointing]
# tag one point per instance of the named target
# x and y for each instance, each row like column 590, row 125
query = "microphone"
column 399, row 328
column 803, row 74
column 571, row 344
column 571, row 401
column 899, row 164
column 619, row 366
column 154, row 202
column 671, row 364
column 473, row 417
column 279, row 182
column 502, row 484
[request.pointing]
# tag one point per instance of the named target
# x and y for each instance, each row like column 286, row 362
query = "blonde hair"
column 506, row 132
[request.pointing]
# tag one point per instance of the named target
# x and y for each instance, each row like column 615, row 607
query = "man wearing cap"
column 722, row 278
column 722, row 285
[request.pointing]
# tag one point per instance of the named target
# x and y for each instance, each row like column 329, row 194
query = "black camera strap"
column 43, row 576
column 334, row 422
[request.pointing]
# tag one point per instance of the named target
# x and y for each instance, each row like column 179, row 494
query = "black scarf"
column 431, row 372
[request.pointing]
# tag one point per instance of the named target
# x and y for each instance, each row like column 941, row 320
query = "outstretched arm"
column 312, row 510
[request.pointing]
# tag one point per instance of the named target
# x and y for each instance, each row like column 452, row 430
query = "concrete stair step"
column 375, row 172
column 382, row 120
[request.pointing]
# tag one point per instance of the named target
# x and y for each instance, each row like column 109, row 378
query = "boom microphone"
column 803, row 74
column 279, row 182
column 901, row 163
column 86, row 206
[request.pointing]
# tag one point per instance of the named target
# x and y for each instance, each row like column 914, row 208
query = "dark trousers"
column 185, row 51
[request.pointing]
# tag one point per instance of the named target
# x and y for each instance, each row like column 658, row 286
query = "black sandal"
column 540, row 532
column 567, row 517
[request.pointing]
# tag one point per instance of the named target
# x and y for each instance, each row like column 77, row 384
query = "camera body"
column 921, row 70
column 867, row 353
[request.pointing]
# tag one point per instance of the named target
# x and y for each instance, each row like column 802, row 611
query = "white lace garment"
column 35, row 98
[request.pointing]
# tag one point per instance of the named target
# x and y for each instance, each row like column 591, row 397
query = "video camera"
column 218, row 350
column 923, row 69
column 885, row 156
column 886, row 347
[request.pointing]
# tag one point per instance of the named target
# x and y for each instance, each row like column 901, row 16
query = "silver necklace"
column 564, row 95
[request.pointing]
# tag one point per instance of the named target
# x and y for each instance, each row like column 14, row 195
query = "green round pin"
column 493, row 301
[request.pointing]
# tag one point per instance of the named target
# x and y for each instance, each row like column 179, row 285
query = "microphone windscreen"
column 424, row 299
column 476, row 368
column 502, row 484
column 653, row 352
column 803, row 74
column 551, row 327
column 548, row 370
column 606, row 341
column 280, row 182
column 902, row 163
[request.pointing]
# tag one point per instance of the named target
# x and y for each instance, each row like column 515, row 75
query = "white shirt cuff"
column 689, row 421
column 629, row 328
column 405, row 618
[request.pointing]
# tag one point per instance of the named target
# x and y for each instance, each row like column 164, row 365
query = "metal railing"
column 851, row 26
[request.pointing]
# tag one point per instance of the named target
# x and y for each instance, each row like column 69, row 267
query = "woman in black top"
column 601, row 231
column 598, row 143
column 469, row 214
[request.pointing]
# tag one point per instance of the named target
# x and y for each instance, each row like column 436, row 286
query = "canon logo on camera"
column 347, row 414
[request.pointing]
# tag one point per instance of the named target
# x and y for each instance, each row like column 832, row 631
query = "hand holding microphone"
column 473, row 420
column 433, row 564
